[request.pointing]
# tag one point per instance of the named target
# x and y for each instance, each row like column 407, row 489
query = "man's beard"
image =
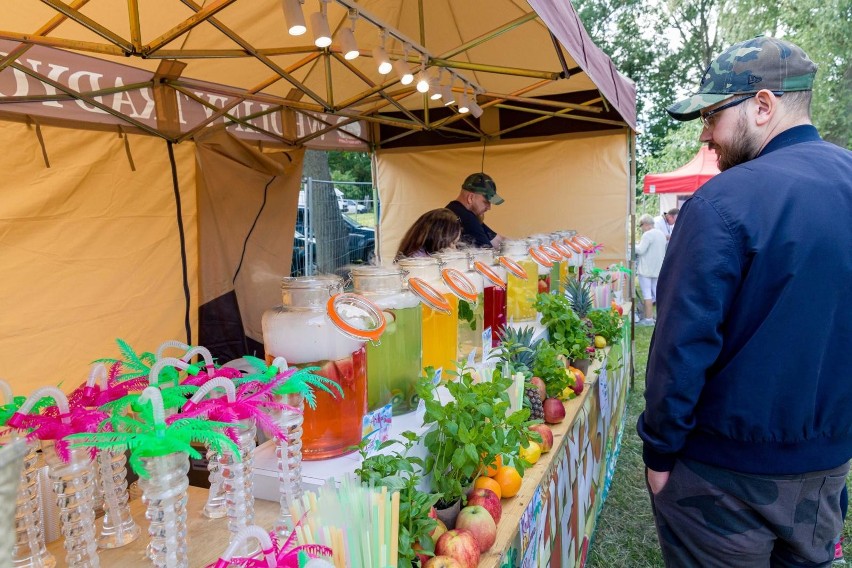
column 742, row 149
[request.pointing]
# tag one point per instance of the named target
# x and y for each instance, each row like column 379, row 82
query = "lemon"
column 600, row 342
column 531, row 453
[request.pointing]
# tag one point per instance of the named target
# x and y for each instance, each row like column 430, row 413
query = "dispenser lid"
column 429, row 295
column 573, row 246
column 550, row 252
column 562, row 249
column 489, row 274
column 540, row 257
column 513, row 267
column 360, row 310
column 459, row 284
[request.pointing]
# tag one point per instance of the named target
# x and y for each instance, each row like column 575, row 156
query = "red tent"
column 687, row 178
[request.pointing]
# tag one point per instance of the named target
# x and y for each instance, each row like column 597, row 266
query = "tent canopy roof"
column 687, row 178
column 524, row 65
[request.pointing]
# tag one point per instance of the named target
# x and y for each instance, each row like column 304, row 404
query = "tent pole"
column 543, row 102
column 201, row 15
column 51, row 25
column 490, row 35
column 91, row 25
column 498, row 69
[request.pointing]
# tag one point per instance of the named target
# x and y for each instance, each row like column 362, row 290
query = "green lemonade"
column 471, row 318
column 393, row 366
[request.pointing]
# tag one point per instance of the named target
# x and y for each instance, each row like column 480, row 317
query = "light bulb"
column 294, row 17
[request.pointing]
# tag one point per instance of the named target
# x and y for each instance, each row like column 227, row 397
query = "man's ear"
column 766, row 105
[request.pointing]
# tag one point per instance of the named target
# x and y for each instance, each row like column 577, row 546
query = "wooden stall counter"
column 207, row 539
column 551, row 520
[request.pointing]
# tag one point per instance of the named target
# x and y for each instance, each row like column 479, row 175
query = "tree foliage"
column 665, row 47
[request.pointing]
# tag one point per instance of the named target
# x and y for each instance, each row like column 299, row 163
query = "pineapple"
column 518, row 349
column 579, row 294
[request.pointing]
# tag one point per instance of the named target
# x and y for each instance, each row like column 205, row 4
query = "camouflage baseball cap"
column 748, row 67
column 482, row 184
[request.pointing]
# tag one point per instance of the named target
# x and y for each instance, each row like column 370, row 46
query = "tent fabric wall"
column 245, row 199
column 576, row 182
column 90, row 250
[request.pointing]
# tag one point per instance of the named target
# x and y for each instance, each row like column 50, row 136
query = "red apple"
column 488, row 500
column 579, row 383
column 546, row 436
column 433, row 513
column 480, row 523
column 442, row 562
column 554, row 411
column 424, row 558
column 538, row 383
column 543, row 288
column 440, row 529
column 460, row 545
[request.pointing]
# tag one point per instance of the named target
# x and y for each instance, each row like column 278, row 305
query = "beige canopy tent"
column 152, row 152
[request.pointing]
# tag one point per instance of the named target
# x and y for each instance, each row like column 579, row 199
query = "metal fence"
column 335, row 226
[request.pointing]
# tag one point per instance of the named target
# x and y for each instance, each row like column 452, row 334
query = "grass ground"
column 625, row 535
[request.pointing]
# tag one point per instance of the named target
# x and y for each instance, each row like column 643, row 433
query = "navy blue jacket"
column 474, row 231
column 750, row 365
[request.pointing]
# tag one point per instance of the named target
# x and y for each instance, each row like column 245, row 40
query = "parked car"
column 348, row 206
column 360, row 242
column 361, row 207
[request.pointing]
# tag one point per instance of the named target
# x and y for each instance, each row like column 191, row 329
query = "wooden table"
column 207, row 540
column 551, row 521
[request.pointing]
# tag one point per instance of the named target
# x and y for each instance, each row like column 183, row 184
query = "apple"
column 422, row 557
column 440, row 529
column 480, row 523
column 461, row 545
column 546, row 436
column 579, row 383
column 543, row 287
column 488, row 500
column 616, row 307
column 442, row 562
column 433, row 513
column 539, row 385
column 554, row 411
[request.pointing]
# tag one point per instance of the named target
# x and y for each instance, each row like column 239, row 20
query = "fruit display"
column 546, row 434
column 461, row 545
column 481, row 525
column 554, row 411
column 487, row 499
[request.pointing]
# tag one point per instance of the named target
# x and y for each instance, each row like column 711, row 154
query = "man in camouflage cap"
column 478, row 193
column 747, row 429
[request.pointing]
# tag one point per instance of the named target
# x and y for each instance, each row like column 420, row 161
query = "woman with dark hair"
column 434, row 231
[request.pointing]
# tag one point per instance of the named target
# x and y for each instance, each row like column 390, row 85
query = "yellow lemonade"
column 520, row 295
column 440, row 335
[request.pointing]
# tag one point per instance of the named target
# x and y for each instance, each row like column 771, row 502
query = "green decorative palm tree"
column 148, row 435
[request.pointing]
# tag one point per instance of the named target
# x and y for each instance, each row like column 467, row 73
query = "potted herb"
column 566, row 330
column 607, row 323
column 470, row 430
column 399, row 471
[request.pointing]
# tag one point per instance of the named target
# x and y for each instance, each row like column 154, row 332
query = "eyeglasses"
column 707, row 117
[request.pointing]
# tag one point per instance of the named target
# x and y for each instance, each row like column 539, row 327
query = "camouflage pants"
column 711, row 517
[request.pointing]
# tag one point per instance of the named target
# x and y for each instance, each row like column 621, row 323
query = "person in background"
column 747, row 429
column 666, row 222
column 649, row 252
column 478, row 193
column 433, row 231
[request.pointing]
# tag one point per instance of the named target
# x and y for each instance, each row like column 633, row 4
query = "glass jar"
column 485, row 263
column 309, row 330
column 471, row 313
column 394, row 365
column 544, row 265
column 521, row 282
column 439, row 307
column 576, row 261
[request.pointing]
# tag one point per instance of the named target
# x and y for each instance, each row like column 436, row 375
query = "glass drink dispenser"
column 494, row 297
column 522, row 281
column 318, row 326
column 393, row 366
column 471, row 307
column 440, row 308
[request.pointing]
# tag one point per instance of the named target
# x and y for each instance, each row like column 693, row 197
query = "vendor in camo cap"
column 747, row 428
column 478, row 193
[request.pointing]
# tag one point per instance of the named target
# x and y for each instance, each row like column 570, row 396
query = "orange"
column 491, row 470
column 509, row 480
column 488, row 483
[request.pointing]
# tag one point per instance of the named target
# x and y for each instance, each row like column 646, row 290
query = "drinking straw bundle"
column 358, row 522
